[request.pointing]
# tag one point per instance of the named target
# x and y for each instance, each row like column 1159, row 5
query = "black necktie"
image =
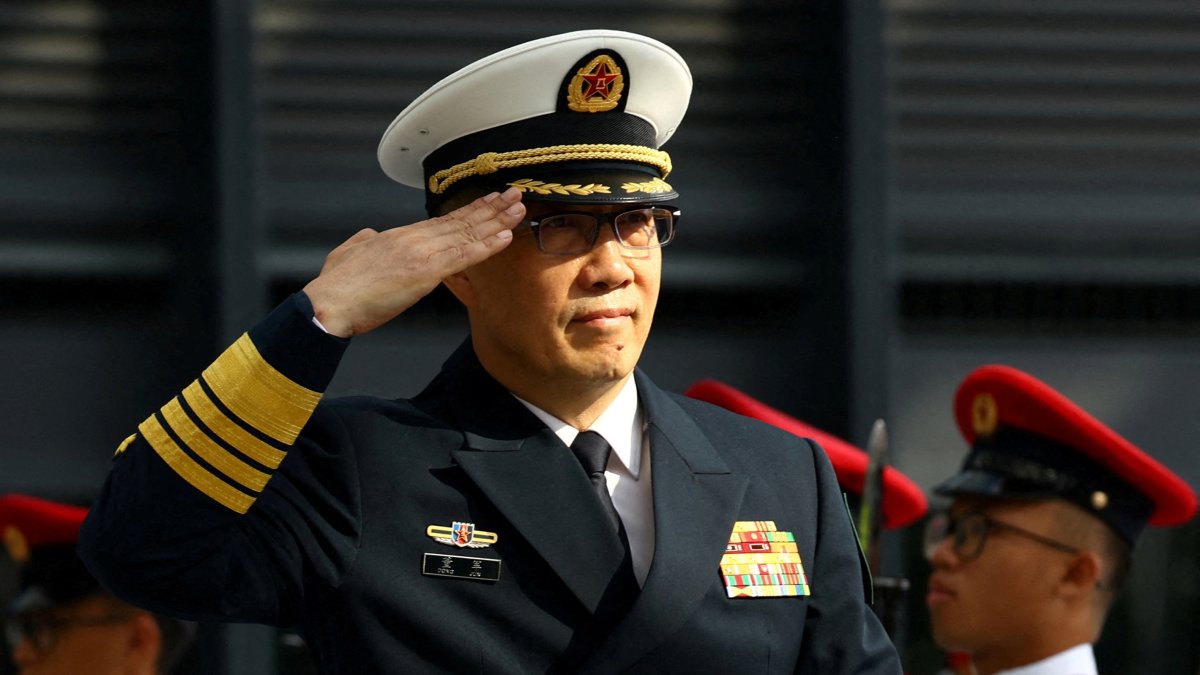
column 592, row 451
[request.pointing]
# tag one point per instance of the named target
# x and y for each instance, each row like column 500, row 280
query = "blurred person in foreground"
column 61, row 621
column 1038, row 541
column 541, row 506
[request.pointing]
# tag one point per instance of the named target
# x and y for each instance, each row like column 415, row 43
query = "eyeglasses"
column 42, row 631
column 574, row 233
column 970, row 532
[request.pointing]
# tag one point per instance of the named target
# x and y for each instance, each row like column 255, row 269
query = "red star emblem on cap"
column 597, row 82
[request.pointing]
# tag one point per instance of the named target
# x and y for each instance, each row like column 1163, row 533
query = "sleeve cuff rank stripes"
column 259, row 394
column 190, row 470
column 252, row 397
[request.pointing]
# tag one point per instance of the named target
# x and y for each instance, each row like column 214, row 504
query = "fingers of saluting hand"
column 374, row 276
column 472, row 233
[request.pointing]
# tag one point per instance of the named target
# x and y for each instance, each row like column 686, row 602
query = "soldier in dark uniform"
column 541, row 506
column 61, row 621
column 1038, row 541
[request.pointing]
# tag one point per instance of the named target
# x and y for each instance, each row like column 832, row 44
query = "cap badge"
column 461, row 534
column 16, row 544
column 985, row 415
column 597, row 86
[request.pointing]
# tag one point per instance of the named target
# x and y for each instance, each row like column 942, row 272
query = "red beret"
column 28, row 523
column 40, row 535
column 1029, row 441
column 903, row 501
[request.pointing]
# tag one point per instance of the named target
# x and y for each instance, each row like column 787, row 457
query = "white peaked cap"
column 590, row 107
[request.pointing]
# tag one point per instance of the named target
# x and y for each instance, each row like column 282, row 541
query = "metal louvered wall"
column 89, row 131
column 1047, row 162
column 98, row 195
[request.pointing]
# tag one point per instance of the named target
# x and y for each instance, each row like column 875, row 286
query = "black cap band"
column 54, row 575
column 1018, row 464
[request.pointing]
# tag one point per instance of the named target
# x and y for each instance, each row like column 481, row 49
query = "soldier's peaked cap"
column 40, row 536
column 903, row 500
column 1028, row 441
column 576, row 118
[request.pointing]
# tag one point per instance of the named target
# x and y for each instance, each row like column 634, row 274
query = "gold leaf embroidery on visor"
column 653, row 186
column 544, row 188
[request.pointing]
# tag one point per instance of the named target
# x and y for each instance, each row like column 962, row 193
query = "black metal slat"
column 1019, row 128
column 89, row 127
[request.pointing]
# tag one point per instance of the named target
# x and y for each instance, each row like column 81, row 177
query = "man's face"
column 85, row 636
column 543, row 321
column 999, row 602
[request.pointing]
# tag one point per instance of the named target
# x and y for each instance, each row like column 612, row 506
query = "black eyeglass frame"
column 959, row 527
column 661, row 240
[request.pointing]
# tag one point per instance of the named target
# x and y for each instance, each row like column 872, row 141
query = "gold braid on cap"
column 491, row 162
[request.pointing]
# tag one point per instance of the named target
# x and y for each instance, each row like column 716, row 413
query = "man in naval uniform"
column 1038, row 540
column 541, row 506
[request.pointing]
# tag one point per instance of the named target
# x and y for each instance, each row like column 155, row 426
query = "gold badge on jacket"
column 762, row 562
column 461, row 534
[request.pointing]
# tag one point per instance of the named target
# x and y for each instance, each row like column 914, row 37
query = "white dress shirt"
column 1078, row 660
column 628, row 473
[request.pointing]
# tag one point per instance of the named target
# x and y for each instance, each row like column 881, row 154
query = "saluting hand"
column 374, row 276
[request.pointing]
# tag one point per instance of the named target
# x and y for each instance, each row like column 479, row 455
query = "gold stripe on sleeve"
column 229, row 431
column 218, row 457
column 187, row 468
column 258, row 394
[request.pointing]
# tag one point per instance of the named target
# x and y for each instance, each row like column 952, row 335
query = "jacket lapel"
column 532, row 479
column 535, row 482
column 696, row 501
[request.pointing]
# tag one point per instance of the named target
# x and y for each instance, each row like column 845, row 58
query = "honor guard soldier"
column 1047, row 508
column 901, row 501
column 61, row 621
column 541, row 506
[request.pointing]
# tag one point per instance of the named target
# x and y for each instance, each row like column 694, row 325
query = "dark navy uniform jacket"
column 232, row 504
